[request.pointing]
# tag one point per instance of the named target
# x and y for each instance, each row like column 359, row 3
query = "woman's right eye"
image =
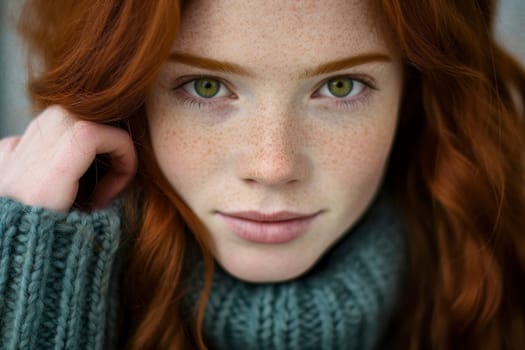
column 206, row 88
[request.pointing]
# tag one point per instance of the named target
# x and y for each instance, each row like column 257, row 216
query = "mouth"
column 268, row 228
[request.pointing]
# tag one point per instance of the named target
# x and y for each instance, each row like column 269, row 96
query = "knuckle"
column 57, row 116
column 84, row 130
column 51, row 119
column 56, row 111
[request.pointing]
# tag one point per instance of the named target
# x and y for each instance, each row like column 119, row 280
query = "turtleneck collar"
column 344, row 302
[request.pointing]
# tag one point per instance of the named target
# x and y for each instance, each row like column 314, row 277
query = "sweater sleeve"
column 58, row 277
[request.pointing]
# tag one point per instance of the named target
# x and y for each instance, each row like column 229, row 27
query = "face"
column 273, row 120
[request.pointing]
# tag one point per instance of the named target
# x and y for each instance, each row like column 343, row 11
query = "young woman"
column 290, row 175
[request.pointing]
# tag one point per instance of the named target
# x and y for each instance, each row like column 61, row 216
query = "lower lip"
column 269, row 232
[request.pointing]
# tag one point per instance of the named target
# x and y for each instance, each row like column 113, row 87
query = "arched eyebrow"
column 208, row 63
column 346, row 63
column 232, row 68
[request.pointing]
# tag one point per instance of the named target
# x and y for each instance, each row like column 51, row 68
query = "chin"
column 268, row 268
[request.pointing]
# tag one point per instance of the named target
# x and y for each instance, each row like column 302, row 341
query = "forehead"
column 274, row 30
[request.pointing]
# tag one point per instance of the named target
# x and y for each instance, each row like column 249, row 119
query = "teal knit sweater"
column 58, row 288
column 59, row 278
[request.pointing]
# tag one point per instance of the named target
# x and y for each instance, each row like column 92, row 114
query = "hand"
column 44, row 165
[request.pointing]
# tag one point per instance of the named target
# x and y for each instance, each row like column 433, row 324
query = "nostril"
column 250, row 181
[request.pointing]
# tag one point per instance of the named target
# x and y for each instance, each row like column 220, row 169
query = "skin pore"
column 273, row 106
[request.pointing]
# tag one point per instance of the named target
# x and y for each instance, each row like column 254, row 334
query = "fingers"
column 44, row 165
column 118, row 146
column 88, row 139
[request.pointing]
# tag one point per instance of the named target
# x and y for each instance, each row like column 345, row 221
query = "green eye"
column 206, row 87
column 340, row 87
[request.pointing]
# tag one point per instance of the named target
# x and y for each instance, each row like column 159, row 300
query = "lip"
column 269, row 228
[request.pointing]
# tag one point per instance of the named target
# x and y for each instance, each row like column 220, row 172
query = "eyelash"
column 193, row 101
column 342, row 103
column 347, row 103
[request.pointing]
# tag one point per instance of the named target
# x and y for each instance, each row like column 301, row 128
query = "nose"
column 274, row 152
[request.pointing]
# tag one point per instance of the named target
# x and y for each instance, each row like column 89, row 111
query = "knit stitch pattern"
column 58, row 281
column 344, row 303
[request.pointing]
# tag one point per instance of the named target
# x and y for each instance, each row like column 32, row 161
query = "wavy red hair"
column 97, row 59
column 458, row 170
column 457, row 166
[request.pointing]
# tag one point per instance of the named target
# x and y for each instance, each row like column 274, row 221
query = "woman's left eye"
column 206, row 88
column 341, row 87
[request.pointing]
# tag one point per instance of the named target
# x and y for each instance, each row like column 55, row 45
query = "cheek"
column 354, row 160
column 185, row 154
column 185, row 161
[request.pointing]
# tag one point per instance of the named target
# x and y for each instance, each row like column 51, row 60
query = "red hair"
column 98, row 59
column 457, row 165
column 458, row 170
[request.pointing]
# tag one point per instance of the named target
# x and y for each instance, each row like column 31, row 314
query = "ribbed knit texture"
column 344, row 303
column 58, row 288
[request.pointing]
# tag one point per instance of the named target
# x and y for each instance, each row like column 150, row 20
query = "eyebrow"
column 228, row 67
column 346, row 63
column 208, row 63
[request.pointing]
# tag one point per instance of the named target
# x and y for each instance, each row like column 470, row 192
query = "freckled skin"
column 274, row 146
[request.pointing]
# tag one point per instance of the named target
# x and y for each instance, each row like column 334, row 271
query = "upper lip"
column 268, row 217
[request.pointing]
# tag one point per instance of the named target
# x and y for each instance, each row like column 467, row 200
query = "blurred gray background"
column 15, row 110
